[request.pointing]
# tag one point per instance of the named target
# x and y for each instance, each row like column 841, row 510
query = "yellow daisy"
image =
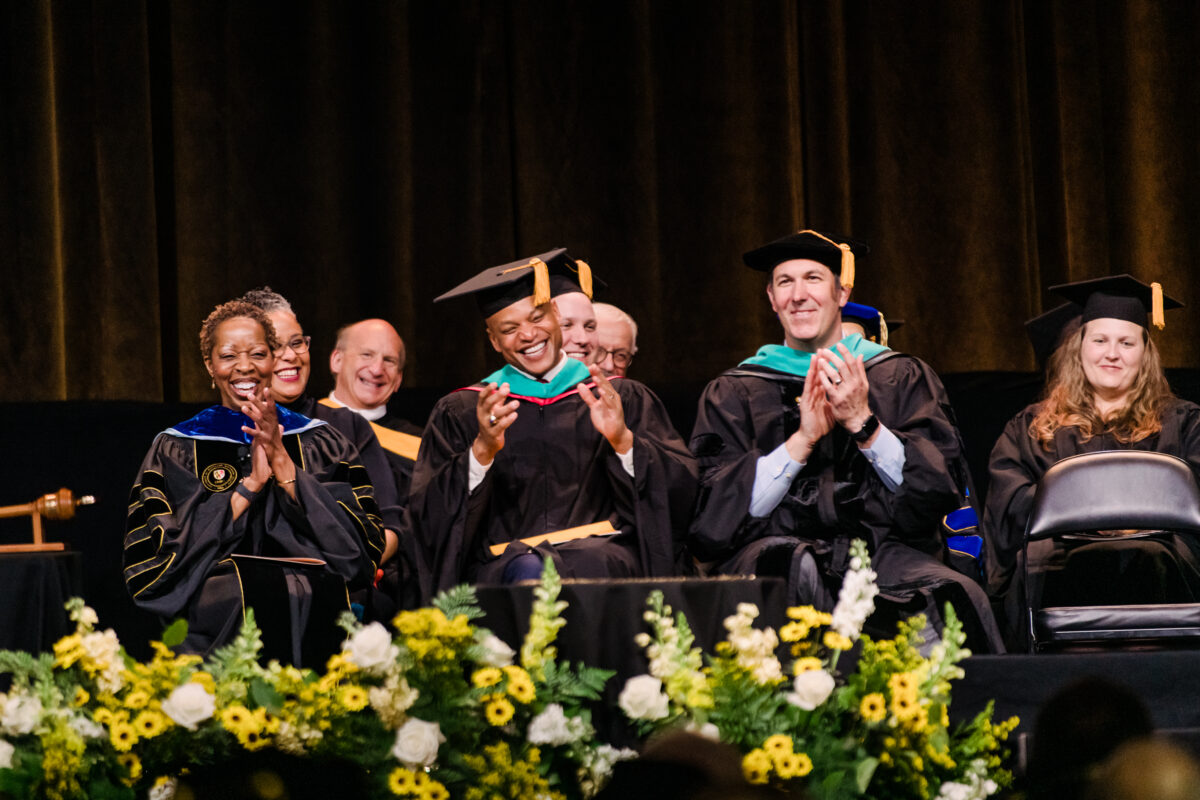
column 521, row 687
column 123, row 736
column 778, row 744
column 794, row 632
column 402, row 781
column 136, row 699
column 435, row 791
column 904, row 706
column 235, row 718
column 499, row 711
column 354, row 698
column 793, row 765
column 873, row 707
column 205, row 680
column 835, row 641
column 104, row 716
column 488, row 676
column 808, row 664
column 150, row 724
column 132, row 765
column 756, row 766
column 252, row 739
column 902, row 683
column 81, row 697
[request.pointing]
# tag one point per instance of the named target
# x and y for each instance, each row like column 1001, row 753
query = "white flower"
column 371, row 647
column 163, row 789
column 20, row 714
column 189, row 705
column 707, row 730
column 810, row 689
column 88, row 617
column 554, row 727
column 417, row 743
column 6, row 754
column 496, row 651
column 87, row 728
column 643, row 698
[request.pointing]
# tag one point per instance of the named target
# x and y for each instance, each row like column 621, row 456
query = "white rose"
column 810, row 689
column 550, row 727
column 643, row 698
column 21, row 713
column 6, row 754
column 417, row 743
column 496, row 652
column 189, row 705
column 371, row 647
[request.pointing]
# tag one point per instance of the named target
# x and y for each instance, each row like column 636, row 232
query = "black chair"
column 1140, row 494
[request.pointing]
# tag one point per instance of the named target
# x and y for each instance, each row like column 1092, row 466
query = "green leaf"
column 175, row 633
column 264, row 694
column 863, row 773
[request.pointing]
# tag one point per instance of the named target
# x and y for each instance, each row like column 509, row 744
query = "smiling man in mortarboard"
column 825, row 438
column 547, row 456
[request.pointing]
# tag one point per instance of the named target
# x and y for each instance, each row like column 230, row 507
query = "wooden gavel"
column 60, row 505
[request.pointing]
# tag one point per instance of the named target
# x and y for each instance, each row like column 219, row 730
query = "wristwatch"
column 866, row 431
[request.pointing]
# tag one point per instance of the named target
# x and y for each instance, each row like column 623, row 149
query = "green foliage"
column 458, row 600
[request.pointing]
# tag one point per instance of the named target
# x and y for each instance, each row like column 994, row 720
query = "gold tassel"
column 883, row 331
column 1156, row 306
column 847, row 270
column 541, row 282
column 585, row 277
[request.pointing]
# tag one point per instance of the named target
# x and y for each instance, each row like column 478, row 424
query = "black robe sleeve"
column 178, row 530
column 1015, row 466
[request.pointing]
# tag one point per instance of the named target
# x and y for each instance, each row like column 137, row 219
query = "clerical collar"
column 550, row 374
column 795, row 362
column 372, row 414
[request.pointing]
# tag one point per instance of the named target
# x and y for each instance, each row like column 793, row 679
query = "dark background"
column 158, row 158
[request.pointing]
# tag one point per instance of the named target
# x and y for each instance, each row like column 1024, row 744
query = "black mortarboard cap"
column 878, row 329
column 1046, row 331
column 1118, row 297
column 542, row 276
column 834, row 251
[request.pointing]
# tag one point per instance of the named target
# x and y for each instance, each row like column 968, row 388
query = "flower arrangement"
column 881, row 730
column 434, row 709
column 438, row 707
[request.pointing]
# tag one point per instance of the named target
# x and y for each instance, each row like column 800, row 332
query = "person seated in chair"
column 238, row 490
column 826, row 438
column 1105, row 390
column 548, row 445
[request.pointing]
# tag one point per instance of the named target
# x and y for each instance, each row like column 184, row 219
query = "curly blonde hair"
column 1068, row 400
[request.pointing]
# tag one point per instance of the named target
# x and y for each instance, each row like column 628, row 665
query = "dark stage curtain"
column 160, row 157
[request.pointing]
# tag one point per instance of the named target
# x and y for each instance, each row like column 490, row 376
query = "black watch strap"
column 867, row 430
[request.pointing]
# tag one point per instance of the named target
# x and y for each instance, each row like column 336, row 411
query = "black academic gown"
column 1164, row 570
column 837, row 496
column 405, row 582
column 181, row 540
column 555, row 472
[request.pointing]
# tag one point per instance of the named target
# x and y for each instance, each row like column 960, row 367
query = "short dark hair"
column 232, row 310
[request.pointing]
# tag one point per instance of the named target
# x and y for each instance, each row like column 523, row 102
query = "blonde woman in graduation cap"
column 1105, row 390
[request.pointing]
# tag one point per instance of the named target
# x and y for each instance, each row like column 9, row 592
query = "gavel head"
column 61, row 504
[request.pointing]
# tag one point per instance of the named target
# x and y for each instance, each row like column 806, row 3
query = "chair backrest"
column 1115, row 489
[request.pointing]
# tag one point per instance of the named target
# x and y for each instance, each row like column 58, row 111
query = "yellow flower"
column 205, row 680
column 756, row 766
column 499, row 711
column 236, row 717
column 835, row 641
column 354, row 698
column 873, row 707
column 435, row 791
column 520, row 685
column 488, row 676
column 132, row 765
column 918, row 721
column 808, row 664
column 81, row 697
column 778, row 744
column 252, row 739
column 421, row 780
column 265, row 721
column 794, row 632
column 68, row 650
column 902, row 683
column 402, row 781
column 904, row 706
column 793, row 765
column 123, row 736
column 150, row 724
column 137, row 699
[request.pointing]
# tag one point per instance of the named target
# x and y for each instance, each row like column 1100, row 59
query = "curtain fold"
column 160, row 158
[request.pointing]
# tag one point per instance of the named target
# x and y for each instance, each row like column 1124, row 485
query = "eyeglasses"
column 621, row 358
column 299, row 345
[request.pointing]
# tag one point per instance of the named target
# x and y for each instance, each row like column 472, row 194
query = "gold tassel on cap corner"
column 585, row 277
column 847, row 270
column 1156, row 306
column 541, row 282
column 883, row 331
